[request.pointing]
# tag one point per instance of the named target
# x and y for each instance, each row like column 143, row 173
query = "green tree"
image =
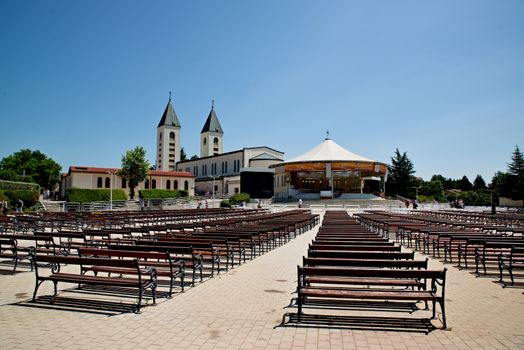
column 432, row 188
column 516, row 167
column 194, row 157
column 401, row 180
column 183, row 155
column 479, row 183
column 31, row 166
column 516, row 175
column 135, row 168
column 464, row 184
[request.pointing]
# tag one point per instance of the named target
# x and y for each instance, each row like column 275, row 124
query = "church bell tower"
column 212, row 135
column 168, row 139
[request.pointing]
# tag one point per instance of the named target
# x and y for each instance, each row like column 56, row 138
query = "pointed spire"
column 212, row 124
column 169, row 117
column 327, row 135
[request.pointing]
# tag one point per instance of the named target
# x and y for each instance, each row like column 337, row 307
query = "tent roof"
column 328, row 150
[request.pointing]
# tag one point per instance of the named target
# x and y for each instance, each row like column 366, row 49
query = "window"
column 215, row 141
column 153, row 184
column 107, row 182
column 99, row 182
column 186, row 185
column 225, row 167
column 222, row 167
column 146, row 184
column 172, row 135
column 160, row 136
column 168, row 184
column 175, row 185
column 205, row 141
column 124, row 183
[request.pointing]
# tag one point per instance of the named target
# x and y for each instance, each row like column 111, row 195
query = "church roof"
column 169, row 117
column 212, row 124
column 328, row 150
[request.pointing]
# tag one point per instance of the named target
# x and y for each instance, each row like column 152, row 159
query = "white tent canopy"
column 328, row 150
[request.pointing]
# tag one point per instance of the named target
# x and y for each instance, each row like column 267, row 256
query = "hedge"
column 160, row 194
column 235, row 200
column 29, row 197
column 16, row 185
column 80, row 195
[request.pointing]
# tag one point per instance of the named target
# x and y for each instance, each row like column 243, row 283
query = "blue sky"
column 441, row 80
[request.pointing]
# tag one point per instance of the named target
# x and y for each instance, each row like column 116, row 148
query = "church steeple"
column 212, row 124
column 168, row 139
column 212, row 135
column 169, row 117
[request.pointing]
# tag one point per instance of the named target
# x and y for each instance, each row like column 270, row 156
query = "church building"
column 224, row 174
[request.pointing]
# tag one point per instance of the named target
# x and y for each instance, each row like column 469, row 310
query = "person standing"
column 19, row 206
column 300, row 202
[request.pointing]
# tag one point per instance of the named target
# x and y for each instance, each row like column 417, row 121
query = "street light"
column 110, row 190
column 214, row 177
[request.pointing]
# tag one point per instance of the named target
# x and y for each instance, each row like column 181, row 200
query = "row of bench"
column 347, row 265
column 150, row 262
column 492, row 250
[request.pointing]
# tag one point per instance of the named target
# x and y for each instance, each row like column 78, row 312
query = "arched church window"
column 146, row 184
column 175, row 185
column 108, row 182
column 168, row 184
column 186, row 185
column 99, row 182
column 153, row 184
column 205, row 141
column 172, row 135
column 215, row 141
column 160, row 136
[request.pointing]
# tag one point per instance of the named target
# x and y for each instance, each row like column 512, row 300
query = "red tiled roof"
column 88, row 169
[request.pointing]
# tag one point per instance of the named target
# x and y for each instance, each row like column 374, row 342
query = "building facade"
column 98, row 178
column 220, row 174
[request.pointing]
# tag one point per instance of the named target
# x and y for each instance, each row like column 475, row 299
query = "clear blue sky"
column 441, row 80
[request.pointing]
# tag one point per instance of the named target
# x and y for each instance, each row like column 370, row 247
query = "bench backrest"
column 375, row 273
column 73, row 260
column 378, row 263
column 96, row 252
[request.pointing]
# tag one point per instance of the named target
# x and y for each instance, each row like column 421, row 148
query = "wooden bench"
column 209, row 253
column 221, row 248
column 347, row 254
column 355, row 247
column 141, row 280
column 321, row 283
column 509, row 262
column 375, row 263
column 161, row 261
column 191, row 260
column 9, row 251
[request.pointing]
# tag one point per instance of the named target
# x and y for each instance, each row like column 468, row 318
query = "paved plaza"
column 243, row 309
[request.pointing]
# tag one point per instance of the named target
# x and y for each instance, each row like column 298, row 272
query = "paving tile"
column 240, row 309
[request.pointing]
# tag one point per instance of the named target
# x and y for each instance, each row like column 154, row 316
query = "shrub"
column 84, row 196
column 239, row 198
column 150, row 194
column 479, row 197
column 225, row 204
column 29, row 197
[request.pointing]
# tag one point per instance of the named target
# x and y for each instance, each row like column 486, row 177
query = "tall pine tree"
column 400, row 180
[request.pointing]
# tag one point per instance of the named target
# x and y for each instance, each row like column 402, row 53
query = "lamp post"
column 110, row 190
column 213, row 192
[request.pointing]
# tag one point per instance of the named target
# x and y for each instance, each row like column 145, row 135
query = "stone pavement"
column 242, row 308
